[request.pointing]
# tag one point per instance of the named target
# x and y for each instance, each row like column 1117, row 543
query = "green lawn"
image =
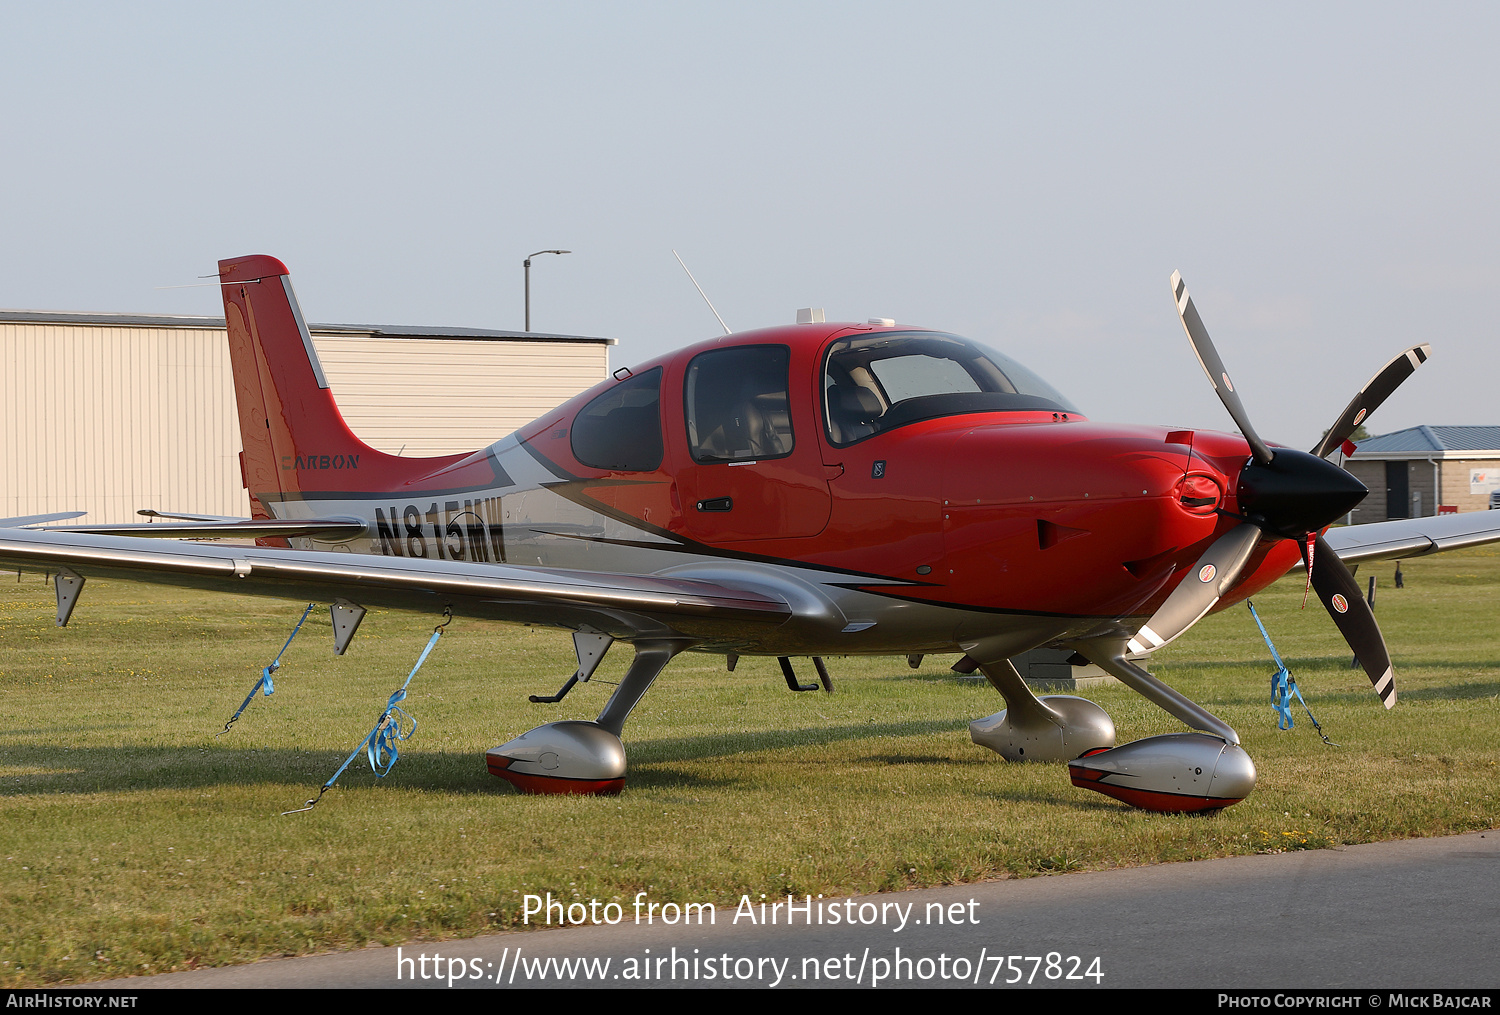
column 134, row 841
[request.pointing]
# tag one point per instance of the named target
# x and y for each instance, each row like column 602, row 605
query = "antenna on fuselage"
column 698, row 287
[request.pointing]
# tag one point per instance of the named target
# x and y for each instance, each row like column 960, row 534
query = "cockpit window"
column 737, row 404
column 905, row 377
column 877, row 382
column 621, row 429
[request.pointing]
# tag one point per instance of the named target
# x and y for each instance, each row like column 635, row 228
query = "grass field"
column 133, row 841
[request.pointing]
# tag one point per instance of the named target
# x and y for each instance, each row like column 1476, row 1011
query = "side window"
column 737, row 405
column 621, row 429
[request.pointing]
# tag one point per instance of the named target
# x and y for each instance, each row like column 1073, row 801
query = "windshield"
column 877, row 382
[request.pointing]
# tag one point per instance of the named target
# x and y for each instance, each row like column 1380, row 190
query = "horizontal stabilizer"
column 182, row 517
column 56, row 516
column 327, row 529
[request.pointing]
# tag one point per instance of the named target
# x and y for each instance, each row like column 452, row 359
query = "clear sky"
column 1324, row 175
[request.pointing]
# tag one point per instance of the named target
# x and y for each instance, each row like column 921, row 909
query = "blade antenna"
column 698, row 287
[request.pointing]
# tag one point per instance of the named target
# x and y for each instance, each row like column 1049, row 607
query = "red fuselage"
column 1025, row 511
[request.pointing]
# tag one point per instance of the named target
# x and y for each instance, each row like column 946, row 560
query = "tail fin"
column 296, row 441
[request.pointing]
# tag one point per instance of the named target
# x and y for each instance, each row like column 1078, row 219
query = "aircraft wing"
column 622, row 605
column 1413, row 537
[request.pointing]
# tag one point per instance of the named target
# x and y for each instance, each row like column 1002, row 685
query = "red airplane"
column 810, row 490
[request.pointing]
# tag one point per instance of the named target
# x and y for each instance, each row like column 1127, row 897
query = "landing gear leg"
column 651, row 657
column 582, row 757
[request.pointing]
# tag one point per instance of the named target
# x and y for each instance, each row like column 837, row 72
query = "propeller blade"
column 1356, row 621
column 1388, row 379
column 1213, row 366
column 1213, row 574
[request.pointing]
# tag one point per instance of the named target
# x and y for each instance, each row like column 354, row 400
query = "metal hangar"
column 111, row 413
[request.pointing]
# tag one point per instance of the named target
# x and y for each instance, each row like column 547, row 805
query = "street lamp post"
column 526, row 264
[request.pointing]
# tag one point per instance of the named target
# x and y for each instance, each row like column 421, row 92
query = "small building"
column 110, row 413
column 1426, row 470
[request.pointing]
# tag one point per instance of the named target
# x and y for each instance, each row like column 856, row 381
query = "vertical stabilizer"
column 296, row 441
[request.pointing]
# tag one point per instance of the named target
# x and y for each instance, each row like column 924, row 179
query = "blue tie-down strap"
column 1284, row 685
column 1310, row 717
column 265, row 680
column 1281, row 697
column 1282, row 682
column 380, row 746
column 1274, row 654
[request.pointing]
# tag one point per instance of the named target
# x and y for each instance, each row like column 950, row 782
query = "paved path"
column 1422, row 913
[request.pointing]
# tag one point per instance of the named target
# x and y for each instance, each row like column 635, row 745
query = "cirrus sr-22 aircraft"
column 812, row 490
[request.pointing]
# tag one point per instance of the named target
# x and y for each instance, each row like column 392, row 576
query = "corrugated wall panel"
column 109, row 420
column 113, row 419
column 440, row 396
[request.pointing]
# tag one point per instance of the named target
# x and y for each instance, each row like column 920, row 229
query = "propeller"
column 1284, row 494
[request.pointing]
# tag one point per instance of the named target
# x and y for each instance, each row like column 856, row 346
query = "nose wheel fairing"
column 578, row 757
column 1084, row 727
column 562, row 758
column 1176, row 772
column 1057, row 727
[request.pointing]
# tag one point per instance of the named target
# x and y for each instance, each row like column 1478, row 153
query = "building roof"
column 1433, row 442
column 372, row 330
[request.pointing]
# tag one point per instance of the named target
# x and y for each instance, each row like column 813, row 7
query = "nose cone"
column 1296, row 493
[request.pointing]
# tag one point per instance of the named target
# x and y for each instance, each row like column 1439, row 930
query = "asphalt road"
column 1422, row 913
